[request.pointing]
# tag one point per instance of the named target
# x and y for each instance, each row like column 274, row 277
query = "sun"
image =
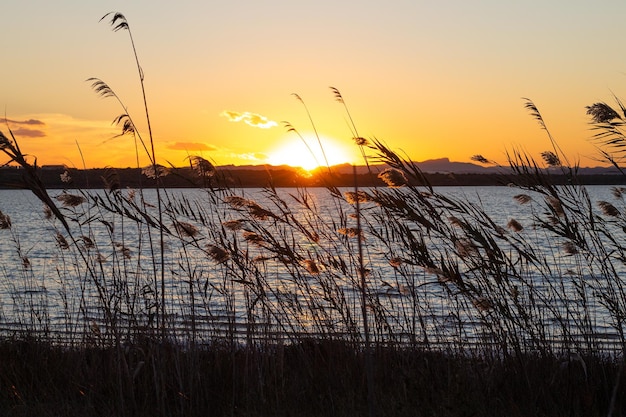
column 296, row 153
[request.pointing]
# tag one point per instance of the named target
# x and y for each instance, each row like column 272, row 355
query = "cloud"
column 251, row 119
column 255, row 157
column 191, row 146
column 24, row 127
column 22, row 122
column 28, row 133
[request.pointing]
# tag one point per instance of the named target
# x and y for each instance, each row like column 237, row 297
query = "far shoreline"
column 60, row 177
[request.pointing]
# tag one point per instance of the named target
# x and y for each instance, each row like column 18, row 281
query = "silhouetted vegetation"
column 390, row 300
column 269, row 177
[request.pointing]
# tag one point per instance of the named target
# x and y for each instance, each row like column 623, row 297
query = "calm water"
column 45, row 287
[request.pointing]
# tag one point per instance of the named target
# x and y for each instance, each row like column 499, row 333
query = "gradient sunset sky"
column 431, row 79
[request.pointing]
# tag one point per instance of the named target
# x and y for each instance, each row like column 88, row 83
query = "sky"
column 226, row 80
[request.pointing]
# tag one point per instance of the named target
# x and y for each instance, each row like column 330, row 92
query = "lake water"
column 306, row 281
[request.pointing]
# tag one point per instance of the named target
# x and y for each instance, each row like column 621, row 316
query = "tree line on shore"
column 60, row 177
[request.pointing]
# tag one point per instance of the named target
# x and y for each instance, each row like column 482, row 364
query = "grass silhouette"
column 391, row 300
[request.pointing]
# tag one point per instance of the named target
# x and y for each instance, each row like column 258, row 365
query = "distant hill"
column 445, row 166
column 441, row 165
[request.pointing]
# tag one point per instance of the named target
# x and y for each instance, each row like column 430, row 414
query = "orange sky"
column 431, row 79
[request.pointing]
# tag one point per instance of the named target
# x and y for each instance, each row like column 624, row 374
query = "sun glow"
column 294, row 152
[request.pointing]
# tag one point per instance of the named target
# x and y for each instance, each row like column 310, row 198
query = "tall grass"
column 285, row 303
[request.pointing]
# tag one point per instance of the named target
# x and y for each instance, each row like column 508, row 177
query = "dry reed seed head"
column 337, row 94
column 395, row 262
column 111, row 180
column 351, row 232
column 434, row 271
column 618, row 192
column 403, row 289
column 570, row 248
column 110, row 226
column 359, row 196
column 25, row 262
column 61, row 241
column 442, row 277
column 500, row 230
column 551, row 159
column 310, row 266
column 602, row 113
column 400, row 289
column 125, row 251
column 465, row 248
column 131, row 194
column 259, row 259
column 66, row 177
column 608, row 209
column 523, row 198
column 482, row 304
column 361, row 141
column 455, row 221
column 258, row 212
column 236, row 201
column 87, row 242
column 185, row 229
column 480, row 158
column 254, row 238
column 393, row 177
column 47, row 212
column 218, row 254
column 514, row 225
column 124, row 120
column 312, row 235
column 4, row 141
column 233, row 225
column 553, row 220
column 286, row 260
column 155, row 171
column 556, row 205
column 5, row 221
column 95, row 329
column 70, row 200
column 202, row 167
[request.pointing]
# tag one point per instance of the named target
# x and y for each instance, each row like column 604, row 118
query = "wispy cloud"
column 24, row 127
column 254, row 157
column 22, row 122
column 28, row 133
column 251, row 119
column 191, row 146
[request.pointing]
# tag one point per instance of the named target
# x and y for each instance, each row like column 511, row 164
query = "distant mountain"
column 445, row 166
column 439, row 165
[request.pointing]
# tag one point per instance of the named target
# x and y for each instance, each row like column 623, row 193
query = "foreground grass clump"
column 311, row 378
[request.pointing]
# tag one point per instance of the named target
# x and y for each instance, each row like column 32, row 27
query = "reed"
column 391, row 300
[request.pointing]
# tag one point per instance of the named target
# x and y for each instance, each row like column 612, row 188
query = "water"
column 295, row 282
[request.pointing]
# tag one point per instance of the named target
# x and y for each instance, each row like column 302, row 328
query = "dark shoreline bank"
column 280, row 177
